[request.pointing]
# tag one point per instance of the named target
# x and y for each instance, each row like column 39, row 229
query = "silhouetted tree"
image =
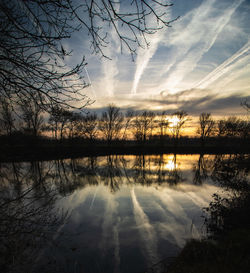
column 74, row 121
column 163, row 124
column 233, row 127
column 244, row 129
column 111, row 123
column 181, row 119
column 88, row 126
column 7, row 120
column 58, row 120
column 54, row 120
column 143, row 125
column 206, row 126
column 32, row 36
column 129, row 115
column 31, row 115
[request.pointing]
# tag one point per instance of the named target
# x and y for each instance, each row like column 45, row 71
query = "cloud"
column 144, row 56
column 238, row 60
column 179, row 69
column 194, row 36
column 110, row 67
column 194, row 101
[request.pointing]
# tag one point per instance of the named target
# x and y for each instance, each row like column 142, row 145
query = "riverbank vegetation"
column 226, row 247
column 30, row 134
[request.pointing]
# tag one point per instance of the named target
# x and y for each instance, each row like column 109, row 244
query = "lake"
column 108, row 214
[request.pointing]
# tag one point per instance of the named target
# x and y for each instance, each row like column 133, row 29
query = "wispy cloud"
column 145, row 55
column 110, row 67
column 197, row 63
column 193, row 37
column 238, row 60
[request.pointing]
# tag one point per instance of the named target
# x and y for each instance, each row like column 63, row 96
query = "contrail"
column 144, row 56
column 109, row 68
column 222, row 69
column 194, row 49
column 92, row 88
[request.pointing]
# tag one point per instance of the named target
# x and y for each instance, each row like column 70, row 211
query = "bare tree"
column 228, row 127
column 163, row 124
column 233, row 127
column 128, row 122
column 54, row 120
column 31, row 115
column 74, row 121
column 143, row 125
column 32, row 35
column 7, row 119
column 206, row 126
column 180, row 119
column 88, row 127
column 58, row 120
column 111, row 123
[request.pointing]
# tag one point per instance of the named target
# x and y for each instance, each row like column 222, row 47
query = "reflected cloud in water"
column 124, row 213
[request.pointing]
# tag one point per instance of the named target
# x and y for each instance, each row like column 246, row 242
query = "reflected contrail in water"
column 197, row 200
column 146, row 230
column 93, row 200
column 178, row 230
column 110, row 231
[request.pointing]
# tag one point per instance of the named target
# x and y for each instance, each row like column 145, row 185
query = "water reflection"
column 228, row 212
column 203, row 168
column 27, row 213
column 124, row 213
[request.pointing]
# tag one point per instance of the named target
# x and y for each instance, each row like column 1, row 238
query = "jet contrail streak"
column 146, row 230
column 222, row 69
column 189, row 55
column 93, row 200
column 144, row 56
column 92, row 88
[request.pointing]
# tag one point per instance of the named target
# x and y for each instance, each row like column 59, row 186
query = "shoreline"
column 52, row 151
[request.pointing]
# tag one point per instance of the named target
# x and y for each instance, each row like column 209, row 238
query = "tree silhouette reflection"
column 229, row 211
column 202, row 170
column 29, row 192
column 28, row 216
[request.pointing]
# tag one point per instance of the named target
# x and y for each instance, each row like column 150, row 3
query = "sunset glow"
column 173, row 121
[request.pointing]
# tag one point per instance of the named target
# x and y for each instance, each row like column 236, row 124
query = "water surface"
column 106, row 214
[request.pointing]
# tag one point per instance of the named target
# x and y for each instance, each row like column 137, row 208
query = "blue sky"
column 201, row 63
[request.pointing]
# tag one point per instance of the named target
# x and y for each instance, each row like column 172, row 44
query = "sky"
column 200, row 64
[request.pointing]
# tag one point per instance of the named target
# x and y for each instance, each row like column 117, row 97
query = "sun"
column 174, row 121
column 170, row 166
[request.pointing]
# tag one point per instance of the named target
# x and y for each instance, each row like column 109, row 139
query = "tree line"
column 113, row 124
